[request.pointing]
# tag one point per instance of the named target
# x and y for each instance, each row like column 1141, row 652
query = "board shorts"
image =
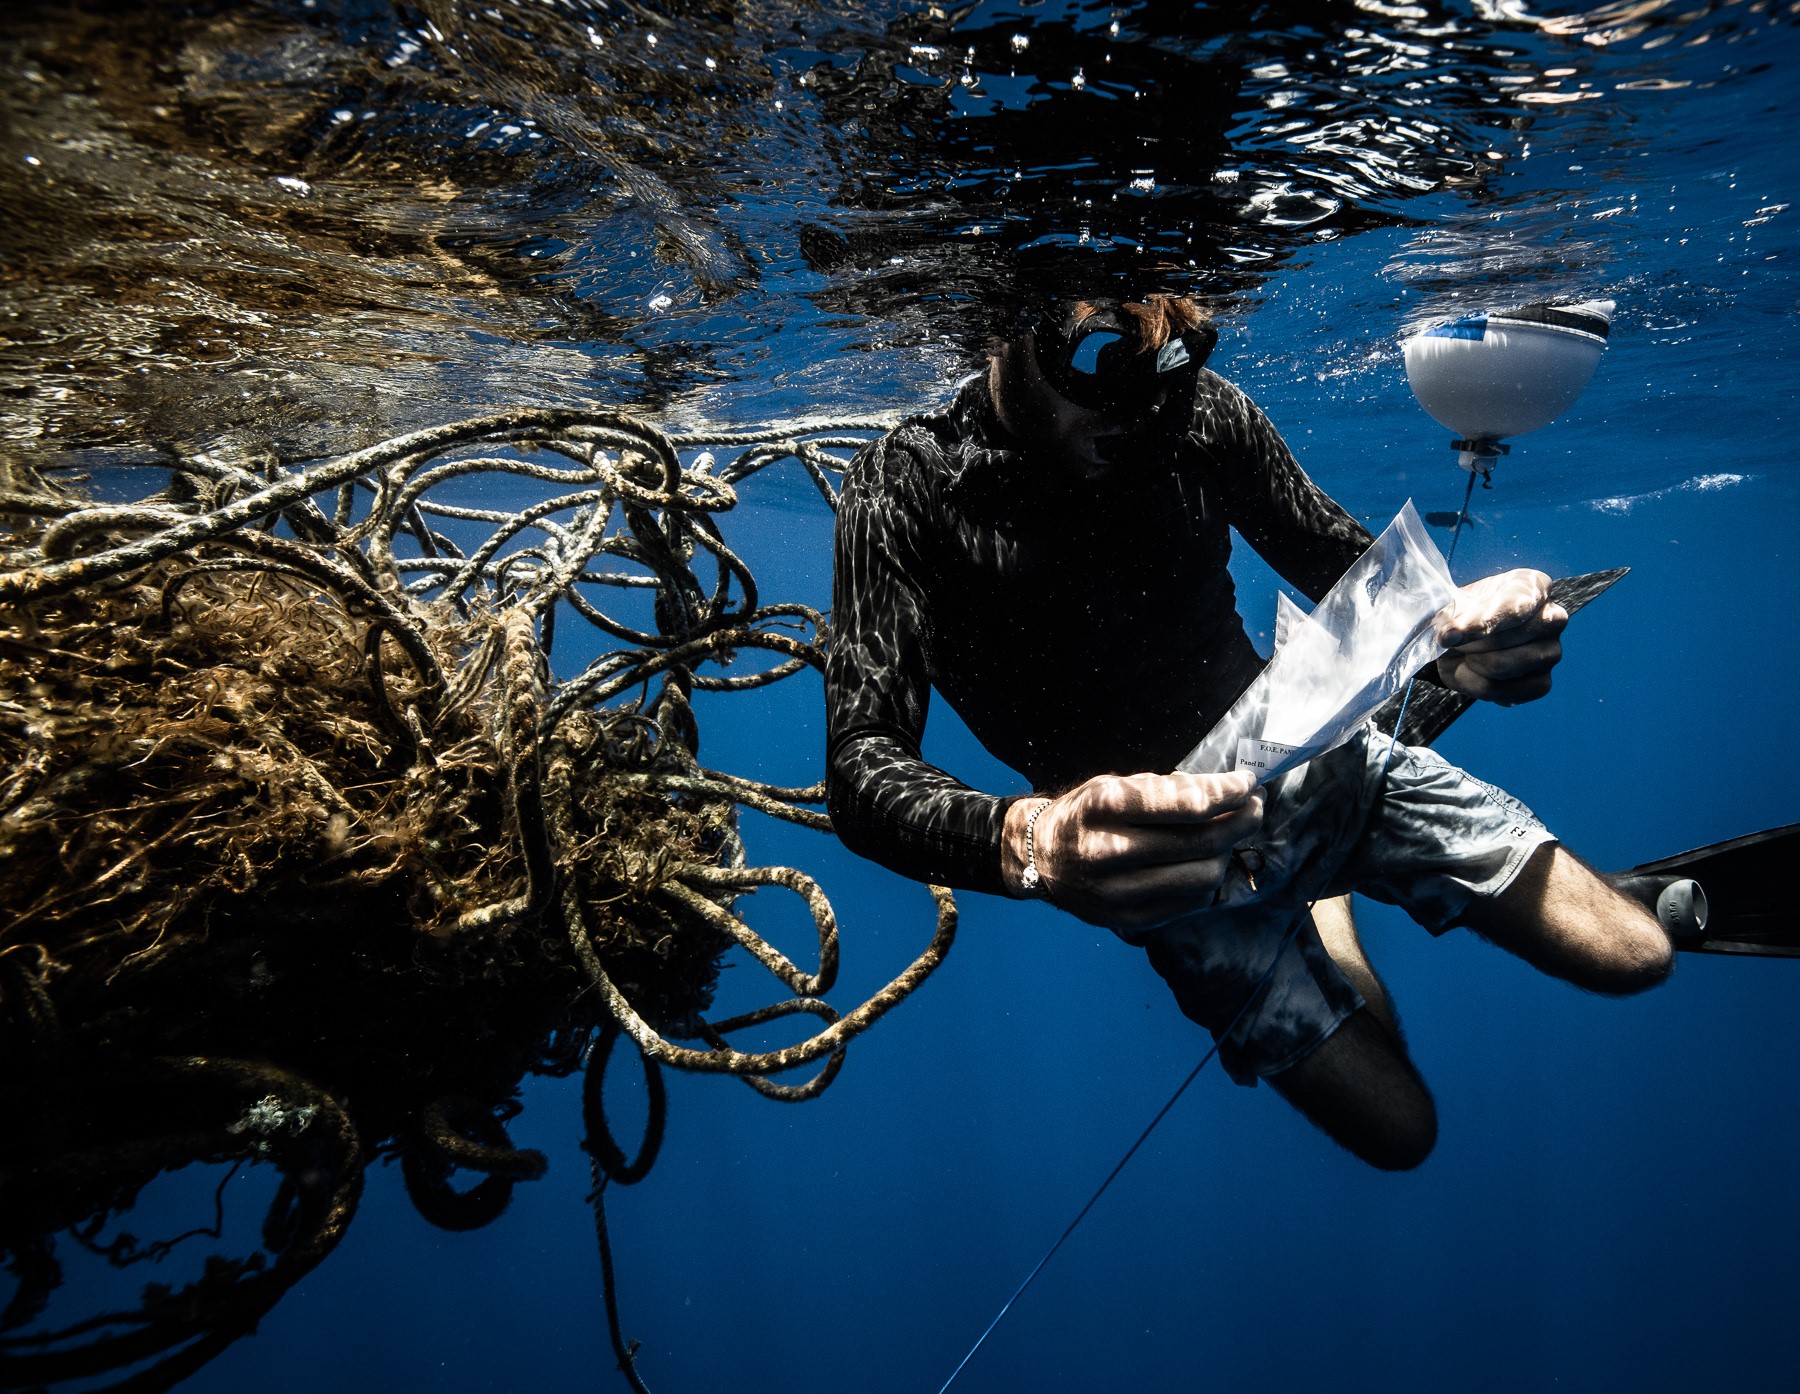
column 1401, row 825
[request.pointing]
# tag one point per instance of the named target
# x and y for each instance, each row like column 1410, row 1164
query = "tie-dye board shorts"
column 1413, row 830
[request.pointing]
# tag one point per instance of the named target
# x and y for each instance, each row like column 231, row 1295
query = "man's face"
column 1088, row 443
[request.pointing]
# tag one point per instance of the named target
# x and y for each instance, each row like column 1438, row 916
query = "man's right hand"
column 1133, row 851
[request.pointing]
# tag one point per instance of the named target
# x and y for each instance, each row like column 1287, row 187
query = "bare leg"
column 1561, row 916
column 1337, row 931
column 1362, row 1091
column 1360, row 1087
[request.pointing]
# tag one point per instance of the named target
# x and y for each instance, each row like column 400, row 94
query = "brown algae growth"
column 260, row 708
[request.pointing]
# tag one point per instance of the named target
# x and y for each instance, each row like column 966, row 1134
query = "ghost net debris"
column 257, row 697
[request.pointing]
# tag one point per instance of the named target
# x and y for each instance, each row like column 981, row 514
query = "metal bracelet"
column 1030, row 880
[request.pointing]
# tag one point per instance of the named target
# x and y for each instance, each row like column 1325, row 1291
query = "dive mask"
column 1095, row 363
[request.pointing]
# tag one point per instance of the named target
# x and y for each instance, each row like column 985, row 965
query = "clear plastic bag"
column 1332, row 668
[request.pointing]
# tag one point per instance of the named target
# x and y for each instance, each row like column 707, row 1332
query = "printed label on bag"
column 1262, row 756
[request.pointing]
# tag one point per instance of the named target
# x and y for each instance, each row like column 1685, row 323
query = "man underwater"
column 1050, row 551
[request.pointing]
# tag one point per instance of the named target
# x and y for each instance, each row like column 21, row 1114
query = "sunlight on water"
column 295, row 225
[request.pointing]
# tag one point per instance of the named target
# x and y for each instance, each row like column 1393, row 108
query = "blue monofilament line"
column 1193, row 1074
column 1450, row 556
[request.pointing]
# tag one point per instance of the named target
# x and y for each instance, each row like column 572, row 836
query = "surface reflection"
column 299, row 224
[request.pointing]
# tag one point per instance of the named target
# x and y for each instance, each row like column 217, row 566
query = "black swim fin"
column 1431, row 709
column 1748, row 881
column 1745, row 902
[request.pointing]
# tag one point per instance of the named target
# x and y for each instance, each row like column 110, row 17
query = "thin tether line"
column 1131, row 1152
column 1461, row 518
column 1450, row 556
column 1051, row 1253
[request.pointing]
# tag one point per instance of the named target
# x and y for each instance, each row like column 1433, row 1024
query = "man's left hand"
column 1503, row 638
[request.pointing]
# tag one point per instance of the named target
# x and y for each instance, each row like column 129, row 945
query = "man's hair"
column 1156, row 318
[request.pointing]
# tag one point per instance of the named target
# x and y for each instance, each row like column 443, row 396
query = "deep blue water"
column 1610, row 1205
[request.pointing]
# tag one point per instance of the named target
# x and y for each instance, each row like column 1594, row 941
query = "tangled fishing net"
column 255, row 699
column 306, row 857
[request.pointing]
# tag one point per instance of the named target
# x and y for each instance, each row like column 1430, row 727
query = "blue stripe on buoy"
column 1468, row 327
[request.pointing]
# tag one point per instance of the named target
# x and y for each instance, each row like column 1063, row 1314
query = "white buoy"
column 1506, row 372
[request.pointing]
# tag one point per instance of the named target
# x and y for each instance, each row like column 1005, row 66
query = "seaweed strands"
column 253, row 691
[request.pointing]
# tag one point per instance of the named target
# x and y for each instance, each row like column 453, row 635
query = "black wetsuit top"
column 1079, row 628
